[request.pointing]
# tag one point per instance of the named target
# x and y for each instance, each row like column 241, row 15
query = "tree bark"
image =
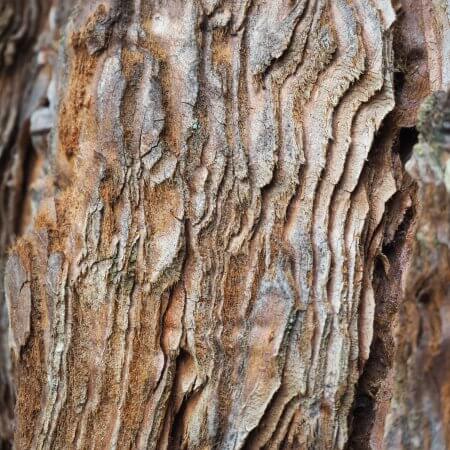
column 25, row 71
column 215, row 220
column 419, row 416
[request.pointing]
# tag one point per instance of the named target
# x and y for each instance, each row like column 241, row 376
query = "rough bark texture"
column 25, row 70
column 420, row 410
column 215, row 220
column 419, row 416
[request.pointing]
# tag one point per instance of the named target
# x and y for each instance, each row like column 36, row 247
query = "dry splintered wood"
column 214, row 220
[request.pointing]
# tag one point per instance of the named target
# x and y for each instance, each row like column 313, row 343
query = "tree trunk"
column 215, row 220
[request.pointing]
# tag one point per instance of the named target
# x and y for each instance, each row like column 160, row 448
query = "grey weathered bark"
column 214, row 215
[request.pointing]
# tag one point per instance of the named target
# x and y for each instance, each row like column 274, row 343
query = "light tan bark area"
column 216, row 228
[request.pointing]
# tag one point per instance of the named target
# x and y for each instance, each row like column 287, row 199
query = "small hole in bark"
column 399, row 80
column 379, row 267
column 407, row 138
column 419, row 332
column 424, row 298
column 362, row 403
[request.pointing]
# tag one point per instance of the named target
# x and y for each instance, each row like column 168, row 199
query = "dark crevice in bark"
column 29, row 158
column 177, row 429
column 373, row 391
column 5, row 445
column 408, row 137
column 399, row 132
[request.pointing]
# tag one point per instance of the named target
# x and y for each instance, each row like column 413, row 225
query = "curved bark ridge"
column 225, row 232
